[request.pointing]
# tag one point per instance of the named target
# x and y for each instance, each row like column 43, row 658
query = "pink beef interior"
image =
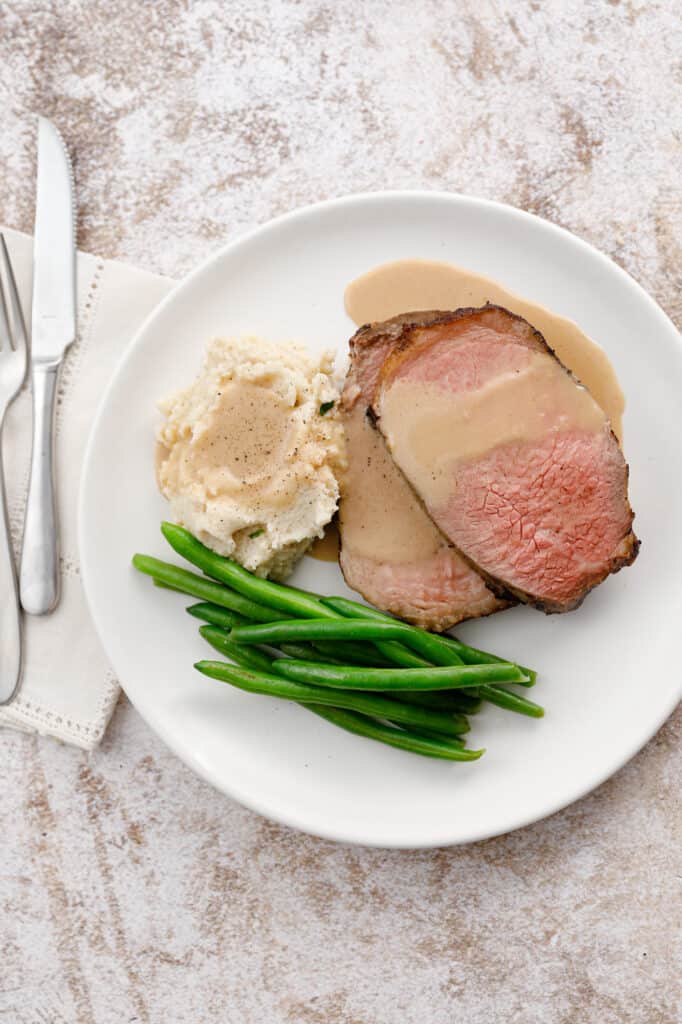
column 434, row 592
column 548, row 517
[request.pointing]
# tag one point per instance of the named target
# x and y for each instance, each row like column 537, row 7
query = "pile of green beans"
column 353, row 665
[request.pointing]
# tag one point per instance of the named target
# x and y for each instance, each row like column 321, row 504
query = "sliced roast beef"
column 391, row 551
column 510, row 454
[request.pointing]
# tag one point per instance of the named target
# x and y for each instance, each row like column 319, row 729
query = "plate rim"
column 437, row 837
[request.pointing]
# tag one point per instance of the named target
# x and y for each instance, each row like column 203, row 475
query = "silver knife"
column 53, row 330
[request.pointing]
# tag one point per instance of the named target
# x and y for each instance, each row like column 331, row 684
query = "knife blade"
column 53, row 330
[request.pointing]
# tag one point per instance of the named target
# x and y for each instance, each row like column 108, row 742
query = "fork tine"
column 5, row 332
column 17, row 338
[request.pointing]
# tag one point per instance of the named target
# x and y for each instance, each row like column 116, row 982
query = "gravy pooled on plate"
column 407, row 285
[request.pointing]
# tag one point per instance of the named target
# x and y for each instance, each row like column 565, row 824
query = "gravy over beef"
column 391, row 551
column 430, row 284
column 512, row 457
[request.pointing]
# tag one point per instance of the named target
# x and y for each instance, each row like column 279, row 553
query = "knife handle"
column 10, row 621
column 39, row 575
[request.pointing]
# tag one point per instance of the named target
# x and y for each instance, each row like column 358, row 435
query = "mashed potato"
column 249, row 454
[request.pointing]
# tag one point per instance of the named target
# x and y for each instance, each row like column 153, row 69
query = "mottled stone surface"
column 131, row 891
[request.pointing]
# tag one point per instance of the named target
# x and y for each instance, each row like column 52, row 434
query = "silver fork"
column 13, row 359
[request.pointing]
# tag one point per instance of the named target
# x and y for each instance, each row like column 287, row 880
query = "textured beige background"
column 129, row 890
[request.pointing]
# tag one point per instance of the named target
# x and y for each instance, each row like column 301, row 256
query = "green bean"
column 424, row 643
column 246, row 657
column 222, row 599
column 510, row 701
column 358, row 654
column 334, row 653
column 467, row 655
column 457, row 700
column 274, row 595
column 355, row 610
column 277, row 595
column 469, row 700
column 228, row 620
column 216, row 615
column 197, row 586
column 315, row 630
column 264, row 656
column 428, row 746
column 436, row 736
column 303, row 693
column 453, row 701
column 472, row 656
column 306, row 652
column 252, row 658
column 461, row 722
column 397, row 652
column 400, row 655
column 464, row 701
column 442, row 677
column 264, row 601
column 299, row 603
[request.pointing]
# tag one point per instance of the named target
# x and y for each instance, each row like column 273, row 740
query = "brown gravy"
column 244, row 448
column 408, row 285
column 369, row 524
column 249, row 455
column 372, row 489
column 326, row 548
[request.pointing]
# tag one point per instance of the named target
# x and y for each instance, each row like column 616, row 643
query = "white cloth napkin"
column 68, row 689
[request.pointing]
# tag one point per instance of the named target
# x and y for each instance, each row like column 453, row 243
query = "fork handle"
column 10, row 620
column 39, row 575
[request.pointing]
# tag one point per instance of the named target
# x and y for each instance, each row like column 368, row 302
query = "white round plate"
column 608, row 672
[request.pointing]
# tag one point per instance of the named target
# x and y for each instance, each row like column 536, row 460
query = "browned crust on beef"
column 371, row 334
column 405, row 340
column 404, row 333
